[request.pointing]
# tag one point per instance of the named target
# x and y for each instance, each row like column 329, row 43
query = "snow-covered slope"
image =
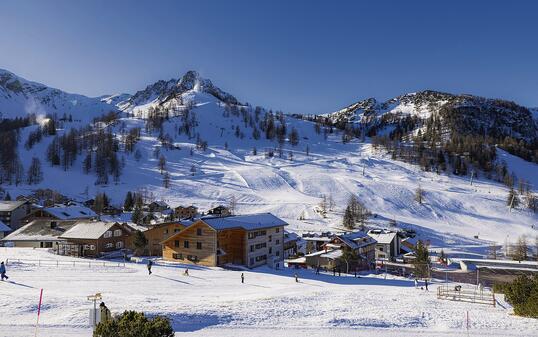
column 214, row 302
column 20, row 97
column 237, row 163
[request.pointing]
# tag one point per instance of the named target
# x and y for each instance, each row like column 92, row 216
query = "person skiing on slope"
column 426, row 284
column 150, row 263
column 416, row 283
column 186, row 272
column 296, row 277
column 3, row 271
column 242, row 278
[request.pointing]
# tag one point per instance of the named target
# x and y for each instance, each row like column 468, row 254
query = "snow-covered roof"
column 356, row 240
column 383, row 237
column 8, row 206
column 40, row 230
column 247, row 221
column 88, row 230
column 332, row 254
column 70, row 212
column 290, row 236
column 4, row 227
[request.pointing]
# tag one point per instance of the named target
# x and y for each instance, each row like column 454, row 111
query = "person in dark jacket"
column 105, row 313
column 3, row 271
column 150, row 263
column 242, row 278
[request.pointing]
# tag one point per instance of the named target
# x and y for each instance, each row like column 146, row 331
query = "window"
column 176, row 230
column 186, row 244
column 177, row 256
column 277, row 242
column 86, row 247
column 193, row 258
column 119, row 245
column 277, row 229
column 166, row 231
column 253, row 235
column 261, row 258
column 251, row 260
column 251, row 248
column 117, row 232
column 92, row 247
column 176, row 243
column 109, row 245
column 277, row 253
column 270, row 238
column 108, row 234
column 198, row 231
column 198, row 245
column 261, row 245
column 270, row 250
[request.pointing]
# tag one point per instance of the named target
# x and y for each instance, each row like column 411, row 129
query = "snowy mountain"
column 215, row 148
column 170, row 94
column 463, row 114
column 20, row 98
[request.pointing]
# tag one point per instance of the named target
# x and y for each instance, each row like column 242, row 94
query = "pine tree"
column 513, row 199
column 166, row 180
column 129, row 202
column 140, row 243
column 419, row 195
column 520, row 250
column 162, row 163
column 294, row 137
column 348, row 220
column 137, row 215
column 422, row 261
column 35, row 174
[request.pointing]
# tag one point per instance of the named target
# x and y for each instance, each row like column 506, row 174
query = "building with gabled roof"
column 331, row 255
column 250, row 240
column 388, row 243
column 39, row 233
column 61, row 213
column 12, row 212
column 95, row 238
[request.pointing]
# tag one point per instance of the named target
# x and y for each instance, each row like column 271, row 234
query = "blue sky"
column 298, row 56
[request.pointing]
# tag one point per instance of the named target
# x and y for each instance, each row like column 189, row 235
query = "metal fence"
column 457, row 293
column 71, row 263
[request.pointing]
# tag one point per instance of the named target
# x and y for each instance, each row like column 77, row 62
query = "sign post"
column 95, row 298
column 38, row 311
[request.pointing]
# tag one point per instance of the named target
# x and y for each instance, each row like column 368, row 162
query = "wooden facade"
column 231, row 244
column 196, row 244
column 189, row 212
column 156, row 235
column 105, row 243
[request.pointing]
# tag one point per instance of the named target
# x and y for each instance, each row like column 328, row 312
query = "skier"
column 186, row 272
column 150, row 263
column 416, row 283
column 3, row 271
column 317, row 270
column 426, row 284
column 105, row 313
column 296, row 278
column 242, row 278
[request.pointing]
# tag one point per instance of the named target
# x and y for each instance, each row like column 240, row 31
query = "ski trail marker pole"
column 38, row 311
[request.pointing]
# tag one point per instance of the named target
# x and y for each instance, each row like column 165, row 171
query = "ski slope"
column 212, row 300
